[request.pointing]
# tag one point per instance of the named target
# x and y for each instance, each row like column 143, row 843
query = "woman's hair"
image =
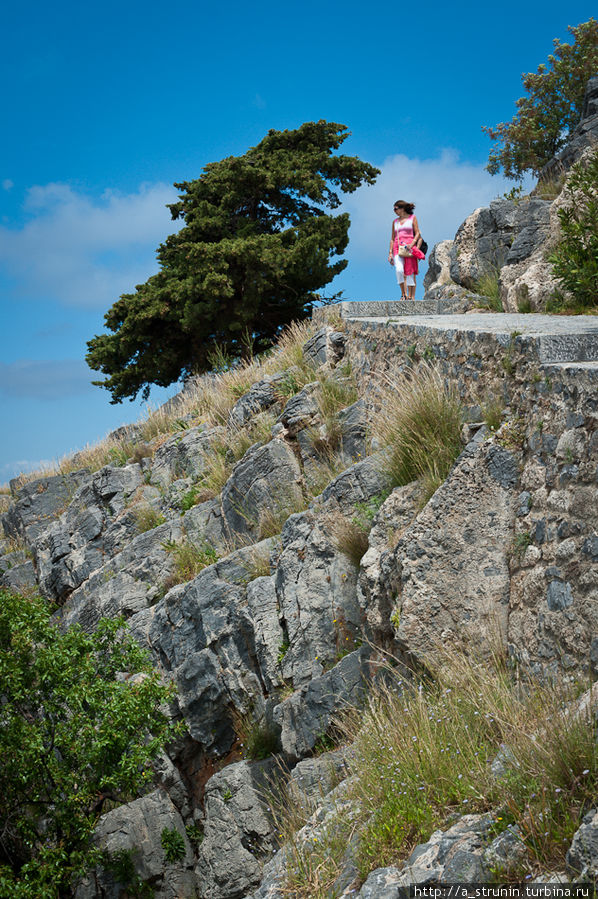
column 408, row 207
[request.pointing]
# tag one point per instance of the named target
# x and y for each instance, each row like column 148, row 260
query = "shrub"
column 575, row 258
column 173, row 844
column 420, row 423
column 350, row 537
column 74, row 735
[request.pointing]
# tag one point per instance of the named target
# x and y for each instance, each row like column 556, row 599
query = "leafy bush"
column 575, row 259
column 74, row 735
column 173, row 844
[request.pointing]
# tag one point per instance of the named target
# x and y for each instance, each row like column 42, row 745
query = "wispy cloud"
column 81, row 251
column 46, row 380
column 445, row 191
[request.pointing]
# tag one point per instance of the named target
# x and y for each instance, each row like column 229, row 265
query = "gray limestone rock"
column 301, row 410
column 315, row 586
column 238, row 831
column 582, row 857
column 39, row 502
column 452, row 564
column 326, row 347
column 137, row 827
column 314, row 778
column 357, row 484
column 452, row 856
column 384, row 883
column 182, row 455
column 261, row 396
column 95, row 526
column 584, row 135
column 264, row 485
column 306, row 715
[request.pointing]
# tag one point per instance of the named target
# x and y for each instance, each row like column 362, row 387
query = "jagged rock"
column 265, row 484
column 326, row 347
column 315, row 585
column 439, row 266
column 582, row 857
column 452, row 563
column 95, row 526
column 19, row 576
column 384, row 883
column 238, row 831
column 137, row 827
column 301, row 410
column 506, row 851
column 261, row 396
column 306, row 715
column 127, row 583
column 182, row 455
column 377, row 586
column 39, row 502
column 453, row 856
column 262, row 604
column 168, row 778
column 353, row 423
column 357, row 484
column 202, row 633
column 313, row 778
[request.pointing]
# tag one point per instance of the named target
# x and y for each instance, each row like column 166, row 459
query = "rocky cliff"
column 254, row 539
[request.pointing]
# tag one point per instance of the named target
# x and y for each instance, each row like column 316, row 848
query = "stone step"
column 387, row 308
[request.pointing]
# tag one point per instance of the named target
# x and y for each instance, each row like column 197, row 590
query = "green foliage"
column 488, row 288
column 255, row 247
column 552, row 108
column 173, row 844
column 261, row 741
column 575, row 259
column 74, row 735
column 420, row 422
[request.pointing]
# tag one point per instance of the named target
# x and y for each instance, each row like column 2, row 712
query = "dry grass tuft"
column 420, row 423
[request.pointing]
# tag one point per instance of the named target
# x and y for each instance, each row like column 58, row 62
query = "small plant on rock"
column 173, row 844
column 147, row 518
column 189, row 561
column 420, row 423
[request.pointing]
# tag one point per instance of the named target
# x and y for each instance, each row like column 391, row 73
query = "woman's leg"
column 399, row 269
column 410, row 282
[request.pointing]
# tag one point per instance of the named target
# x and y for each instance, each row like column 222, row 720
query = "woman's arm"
column 416, row 234
column 392, row 240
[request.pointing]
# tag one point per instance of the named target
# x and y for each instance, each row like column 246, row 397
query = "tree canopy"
column 552, row 108
column 255, row 247
column 77, row 729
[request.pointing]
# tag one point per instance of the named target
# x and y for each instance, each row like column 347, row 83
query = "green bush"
column 173, row 844
column 74, row 735
column 575, row 259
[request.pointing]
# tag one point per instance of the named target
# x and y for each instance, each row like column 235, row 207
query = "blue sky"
column 105, row 106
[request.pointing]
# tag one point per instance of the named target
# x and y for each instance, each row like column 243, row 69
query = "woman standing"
column 405, row 232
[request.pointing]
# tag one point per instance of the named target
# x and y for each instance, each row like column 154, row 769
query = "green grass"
column 147, row 518
column 488, row 288
column 189, row 560
column 420, row 423
column 422, row 753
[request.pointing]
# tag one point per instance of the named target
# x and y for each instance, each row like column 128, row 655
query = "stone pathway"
column 555, row 339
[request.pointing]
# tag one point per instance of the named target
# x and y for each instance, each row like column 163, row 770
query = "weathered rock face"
column 137, row 828
column 453, row 561
column 513, row 238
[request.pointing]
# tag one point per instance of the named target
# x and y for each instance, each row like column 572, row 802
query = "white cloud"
column 45, row 379
column 11, row 470
column 444, row 190
column 82, row 251
column 7, row 184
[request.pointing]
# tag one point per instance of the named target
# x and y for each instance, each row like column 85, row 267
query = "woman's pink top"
column 404, row 234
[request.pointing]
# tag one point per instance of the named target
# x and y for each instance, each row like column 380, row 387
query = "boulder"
column 326, row 347
column 238, row 831
column 306, row 716
column 452, row 564
column 182, row 455
column 582, row 857
column 261, row 396
column 264, row 486
column 137, row 827
column 38, row 503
